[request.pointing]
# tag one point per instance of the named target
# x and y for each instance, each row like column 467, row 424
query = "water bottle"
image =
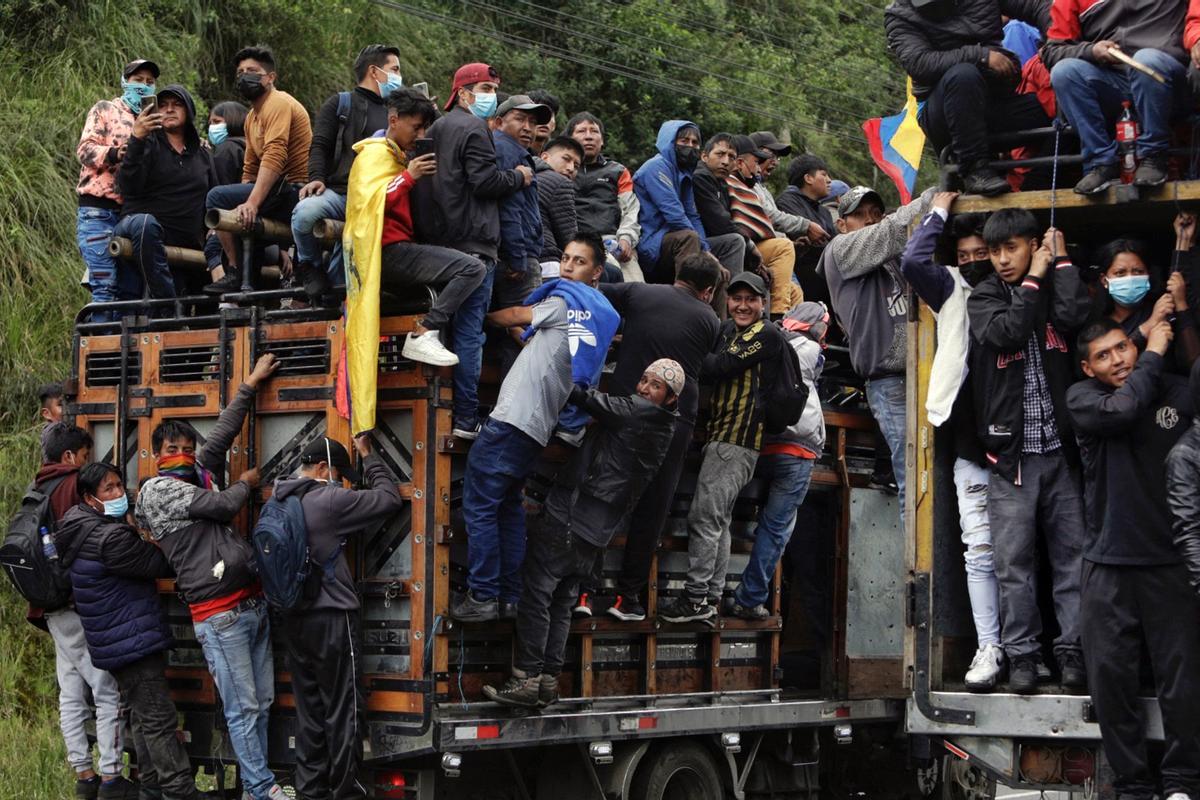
column 48, row 547
column 613, row 247
column 1127, row 135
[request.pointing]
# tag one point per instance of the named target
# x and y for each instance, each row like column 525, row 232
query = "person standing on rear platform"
column 323, row 643
column 1129, row 414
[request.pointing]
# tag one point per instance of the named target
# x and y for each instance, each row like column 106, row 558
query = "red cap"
column 469, row 75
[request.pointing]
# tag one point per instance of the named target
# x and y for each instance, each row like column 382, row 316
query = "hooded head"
column 177, row 92
column 670, row 132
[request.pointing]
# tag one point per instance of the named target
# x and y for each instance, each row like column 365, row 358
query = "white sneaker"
column 985, row 669
column 1178, row 796
column 428, row 349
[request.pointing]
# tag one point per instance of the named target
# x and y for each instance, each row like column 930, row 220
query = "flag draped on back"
column 896, row 143
column 378, row 161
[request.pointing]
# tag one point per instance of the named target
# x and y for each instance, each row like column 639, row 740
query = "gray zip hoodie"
column 332, row 514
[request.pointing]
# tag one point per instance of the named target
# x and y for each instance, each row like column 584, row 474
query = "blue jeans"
column 466, row 329
column 327, row 205
column 237, row 647
column 148, row 267
column 1090, row 97
column 789, row 477
column 887, row 398
column 497, row 465
column 93, row 230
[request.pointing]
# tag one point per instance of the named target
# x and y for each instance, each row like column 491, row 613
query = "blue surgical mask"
column 484, row 106
column 133, row 93
column 117, row 508
column 217, row 133
column 1129, row 290
column 393, row 83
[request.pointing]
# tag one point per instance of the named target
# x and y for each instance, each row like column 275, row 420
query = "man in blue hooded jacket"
column 671, row 226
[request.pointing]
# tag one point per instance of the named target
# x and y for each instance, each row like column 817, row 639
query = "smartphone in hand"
column 422, row 87
column 423, row 147
column 150, row 104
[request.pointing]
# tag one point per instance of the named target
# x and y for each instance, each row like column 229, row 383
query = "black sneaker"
column 508, row 610
column 232, row 282
column 627, row 609
column 583, row 608
column 984, row 180
column 756, row 613
column 1074, row 676
column 118, row 789
column 1151, row 172
column 1022, row 675
column 520, row 691
column 884, row 481
column 89, row 789
column 1098, row 179
column 547, row 690
column 684, row 609
column 314, row 279
column 466, row 608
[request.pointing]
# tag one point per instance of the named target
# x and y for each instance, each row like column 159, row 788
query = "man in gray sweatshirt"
column 322, row 636
column 870, row 299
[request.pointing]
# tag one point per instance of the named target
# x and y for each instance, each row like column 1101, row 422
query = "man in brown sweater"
column 278, row 136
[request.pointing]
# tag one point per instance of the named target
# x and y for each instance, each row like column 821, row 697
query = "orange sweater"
column 278, row 136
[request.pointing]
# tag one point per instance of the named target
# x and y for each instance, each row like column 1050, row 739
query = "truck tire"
column 678, row 770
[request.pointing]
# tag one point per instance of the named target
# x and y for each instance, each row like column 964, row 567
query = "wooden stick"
column 121, row 247
column 224, row 220
column 1119, row 55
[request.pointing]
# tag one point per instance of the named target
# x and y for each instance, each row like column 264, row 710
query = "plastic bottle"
column 613, row 247
column 48, row 544
column 1127, row 135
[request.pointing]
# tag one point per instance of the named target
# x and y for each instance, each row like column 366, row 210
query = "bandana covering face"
column 181, row 466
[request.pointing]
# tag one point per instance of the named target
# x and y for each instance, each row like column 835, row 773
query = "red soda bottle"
column 1127, row 134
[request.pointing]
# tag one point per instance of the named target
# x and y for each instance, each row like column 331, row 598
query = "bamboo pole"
column 219, row 219
column 121, row 247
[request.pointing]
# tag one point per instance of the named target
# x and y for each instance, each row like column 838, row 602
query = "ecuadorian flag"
column 896, row 143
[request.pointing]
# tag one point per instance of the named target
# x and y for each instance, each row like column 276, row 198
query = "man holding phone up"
column 378, row 214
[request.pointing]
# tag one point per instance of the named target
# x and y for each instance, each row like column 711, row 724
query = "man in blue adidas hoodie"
column 573, row 325
column 671, row 226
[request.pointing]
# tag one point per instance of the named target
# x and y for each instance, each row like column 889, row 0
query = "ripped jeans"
column 971, row 485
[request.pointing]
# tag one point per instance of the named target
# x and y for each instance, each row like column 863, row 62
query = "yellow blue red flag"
column 896, row 143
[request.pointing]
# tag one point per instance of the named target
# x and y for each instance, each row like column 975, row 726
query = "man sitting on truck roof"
column 949, row 399
column 1091, row 83
column 323, row 648
column 1130, row 413
column 1020, row 367
column 604, row 196
column 378, row 212
column 343, row 119
column 965, row 80
column 741, row 370
column 570, row 325
column 215, row 573
column 164, row 178
column 590, row 503
column 278, row 135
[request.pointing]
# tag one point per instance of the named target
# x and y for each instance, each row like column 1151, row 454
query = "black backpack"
column 41, row 581
column 788, row 394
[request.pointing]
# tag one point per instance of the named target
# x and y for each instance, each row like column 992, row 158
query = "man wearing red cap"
column 458, row 207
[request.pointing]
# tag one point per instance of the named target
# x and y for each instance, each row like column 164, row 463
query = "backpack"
column 343, row 116
column 46, row 584
column 788, row 394
column 281, row 552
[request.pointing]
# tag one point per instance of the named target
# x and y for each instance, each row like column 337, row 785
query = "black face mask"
column 974, row 272
column 686, row 158
column 250, row 86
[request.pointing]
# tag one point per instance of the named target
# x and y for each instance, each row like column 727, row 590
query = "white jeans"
column 971, row 484
column 76, row 674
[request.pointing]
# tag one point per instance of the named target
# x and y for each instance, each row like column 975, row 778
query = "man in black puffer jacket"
column 590, row 503
column 113, row 572
column 967, row 80
column 556, row 168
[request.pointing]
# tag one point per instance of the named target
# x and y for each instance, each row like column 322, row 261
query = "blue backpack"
column 282, row 554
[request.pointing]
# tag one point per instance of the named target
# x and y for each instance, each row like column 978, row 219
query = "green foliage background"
column 810, row 70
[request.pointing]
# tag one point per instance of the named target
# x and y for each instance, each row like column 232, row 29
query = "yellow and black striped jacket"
column 741, row 370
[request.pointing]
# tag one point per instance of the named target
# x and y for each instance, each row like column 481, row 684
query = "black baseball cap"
column 767, row 141
column 751, row 281
column 744, row 145
column 139, row 63
column 333, row 454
